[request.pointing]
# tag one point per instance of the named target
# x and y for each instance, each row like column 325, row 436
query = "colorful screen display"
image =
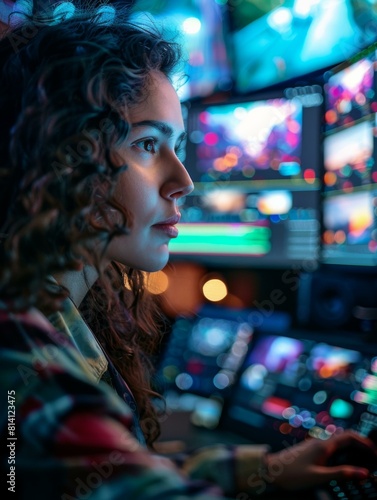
column 278, row 40
column 256, row 140
column 255, row 166
column 350, row 174
column 204, row 353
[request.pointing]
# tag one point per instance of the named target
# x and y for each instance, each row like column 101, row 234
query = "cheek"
column 130, row 186
column 126, row 191
column 137, row 196
column 138, row 189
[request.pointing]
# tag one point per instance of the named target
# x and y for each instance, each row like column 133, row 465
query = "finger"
column 352, row 438
column 349, row 440
column 341, row 473
column 317, row 476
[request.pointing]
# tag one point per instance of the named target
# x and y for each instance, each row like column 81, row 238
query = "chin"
column 148, row 260
column 151, row 265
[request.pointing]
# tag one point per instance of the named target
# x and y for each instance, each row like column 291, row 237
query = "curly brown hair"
column 62, row 88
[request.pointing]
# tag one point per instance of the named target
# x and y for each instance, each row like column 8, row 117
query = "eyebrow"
column 163, row 127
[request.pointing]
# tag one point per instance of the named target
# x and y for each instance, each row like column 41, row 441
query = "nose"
column 178, row 183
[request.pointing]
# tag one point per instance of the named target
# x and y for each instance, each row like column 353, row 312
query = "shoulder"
column 34, row 350
column 27, row 330
column 46, row 372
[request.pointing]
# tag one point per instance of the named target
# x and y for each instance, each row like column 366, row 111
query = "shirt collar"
column 70, row 322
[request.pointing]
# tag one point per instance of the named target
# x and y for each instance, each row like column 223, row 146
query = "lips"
column 171, row 221
column 168, row 226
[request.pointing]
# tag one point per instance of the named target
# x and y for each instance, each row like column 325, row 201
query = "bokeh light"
column 215, row 290
column 191, row 25
column 157, row 283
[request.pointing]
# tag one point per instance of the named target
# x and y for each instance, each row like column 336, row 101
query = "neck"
column 78, row 283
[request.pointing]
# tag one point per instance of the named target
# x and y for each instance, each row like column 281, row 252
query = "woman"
column 90, row 181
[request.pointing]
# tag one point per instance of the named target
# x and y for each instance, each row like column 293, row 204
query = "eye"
column 147, row 145
column 180, row 149
column 180, row 152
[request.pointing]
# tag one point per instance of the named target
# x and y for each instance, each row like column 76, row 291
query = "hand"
column 307, row 464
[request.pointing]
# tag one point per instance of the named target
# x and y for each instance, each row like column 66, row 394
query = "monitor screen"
column 203, row 353
column 278, row 40
column 350, row 173
column 255, row 166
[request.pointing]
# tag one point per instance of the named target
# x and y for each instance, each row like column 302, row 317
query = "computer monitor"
column 256, row 167
column 275, row 41
column 350, row 169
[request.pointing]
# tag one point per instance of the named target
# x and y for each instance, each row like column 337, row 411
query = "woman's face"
column 154, row 180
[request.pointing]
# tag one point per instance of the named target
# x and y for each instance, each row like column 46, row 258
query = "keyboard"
column 352, row 489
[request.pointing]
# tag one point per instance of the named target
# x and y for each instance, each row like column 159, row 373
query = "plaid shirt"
column 74, row 436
